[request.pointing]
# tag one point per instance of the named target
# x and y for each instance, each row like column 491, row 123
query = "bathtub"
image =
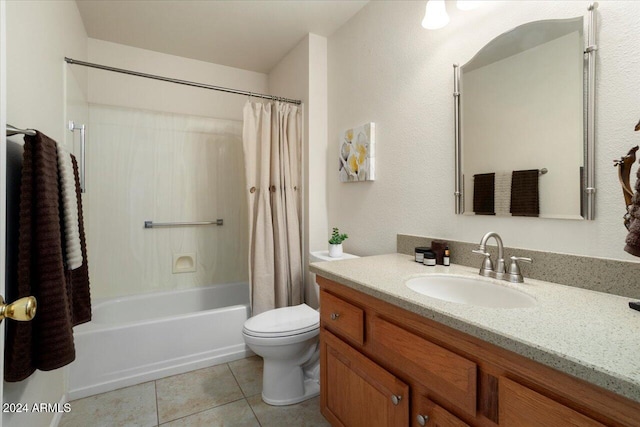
column 145, row 337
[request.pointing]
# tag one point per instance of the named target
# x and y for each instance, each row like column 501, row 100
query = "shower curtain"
column 272, row 138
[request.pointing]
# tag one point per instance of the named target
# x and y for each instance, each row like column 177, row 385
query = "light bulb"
column 435, row 15
column 468, row 4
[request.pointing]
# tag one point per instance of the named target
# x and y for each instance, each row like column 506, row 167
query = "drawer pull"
column 395, row 399
column 422, row 419
column 334, row 316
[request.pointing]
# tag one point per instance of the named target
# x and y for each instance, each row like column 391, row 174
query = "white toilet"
column 287, row 340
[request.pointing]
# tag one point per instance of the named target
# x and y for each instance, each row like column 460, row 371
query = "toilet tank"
column 323, row 256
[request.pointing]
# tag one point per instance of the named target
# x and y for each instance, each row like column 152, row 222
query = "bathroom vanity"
column 393, row 357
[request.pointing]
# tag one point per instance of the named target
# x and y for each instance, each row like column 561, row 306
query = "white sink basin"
column 468, row 290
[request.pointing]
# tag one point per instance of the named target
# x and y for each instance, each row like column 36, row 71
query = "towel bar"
column 72, row 127
column 12, row 130
column 151, row 224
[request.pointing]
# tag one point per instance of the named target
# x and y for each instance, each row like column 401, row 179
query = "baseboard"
column 58, row 415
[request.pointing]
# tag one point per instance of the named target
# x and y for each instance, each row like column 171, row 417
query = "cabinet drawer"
column 342, row 318
column 523, row 407
column 450, row 376
column 428, row 413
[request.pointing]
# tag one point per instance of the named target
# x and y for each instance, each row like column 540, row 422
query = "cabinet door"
column 427, row 413
column 523, row 407
column 357, row 392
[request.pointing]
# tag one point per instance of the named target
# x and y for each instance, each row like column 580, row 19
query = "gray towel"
column 503, row 193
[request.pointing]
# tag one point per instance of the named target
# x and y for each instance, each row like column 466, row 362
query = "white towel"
column 502, row 193
column 71, row 231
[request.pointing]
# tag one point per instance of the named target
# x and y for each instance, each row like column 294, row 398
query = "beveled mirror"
column 524, row 122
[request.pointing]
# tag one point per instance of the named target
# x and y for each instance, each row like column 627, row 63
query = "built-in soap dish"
column 184, row 263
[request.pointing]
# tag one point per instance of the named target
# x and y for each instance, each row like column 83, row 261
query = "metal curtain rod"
column 182, row 82
column 151, row 224
column 12, row 130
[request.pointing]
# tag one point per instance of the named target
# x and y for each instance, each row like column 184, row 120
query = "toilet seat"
column 283, row 322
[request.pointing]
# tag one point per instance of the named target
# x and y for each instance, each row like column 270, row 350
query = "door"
column 3, row 177
column 523, row 407
column 356, row 391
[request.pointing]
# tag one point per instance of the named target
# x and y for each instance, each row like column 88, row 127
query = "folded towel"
column 71, row 230
column 502, row 198
column 633, row 238
column 45, row 343
column 525, row 200
column 484, row 193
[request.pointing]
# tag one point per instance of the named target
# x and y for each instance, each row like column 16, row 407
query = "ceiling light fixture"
column 435, row 15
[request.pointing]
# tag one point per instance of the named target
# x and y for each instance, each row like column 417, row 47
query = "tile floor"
column 222, row 395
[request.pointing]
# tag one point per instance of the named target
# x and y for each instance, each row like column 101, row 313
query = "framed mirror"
column 524, row 122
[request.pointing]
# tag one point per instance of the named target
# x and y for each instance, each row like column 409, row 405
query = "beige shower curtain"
column 272, row 138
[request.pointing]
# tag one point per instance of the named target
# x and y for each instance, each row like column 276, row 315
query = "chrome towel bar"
column 12, row 130
column 151, row 224
column 73, row 127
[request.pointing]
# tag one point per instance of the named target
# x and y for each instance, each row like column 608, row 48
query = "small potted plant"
column 335, row 243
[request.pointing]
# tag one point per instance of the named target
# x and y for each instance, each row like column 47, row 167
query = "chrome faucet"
column 498, row 272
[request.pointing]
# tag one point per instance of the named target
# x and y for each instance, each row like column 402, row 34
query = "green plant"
column 336, row 237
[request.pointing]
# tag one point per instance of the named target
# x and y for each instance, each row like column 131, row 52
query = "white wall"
column 545, row 133
column 302, row 74
column 39, row 35
column 384, row 67
column 111, row 88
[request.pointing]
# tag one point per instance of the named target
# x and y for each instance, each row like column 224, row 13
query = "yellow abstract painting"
column 357, row 154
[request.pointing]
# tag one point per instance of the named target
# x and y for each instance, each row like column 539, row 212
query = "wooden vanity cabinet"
column 357, row 392
column 384, row 366
column 428, row 413
column 522, row 407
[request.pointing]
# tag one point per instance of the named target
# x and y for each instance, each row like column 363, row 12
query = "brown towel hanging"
column 525, row 198
column 45, row 343
column 78, row 279
column 484, row 194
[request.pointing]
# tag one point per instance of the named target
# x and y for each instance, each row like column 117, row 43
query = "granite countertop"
column 590, row 335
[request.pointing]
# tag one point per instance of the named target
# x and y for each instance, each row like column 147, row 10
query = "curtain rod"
column 182, row 82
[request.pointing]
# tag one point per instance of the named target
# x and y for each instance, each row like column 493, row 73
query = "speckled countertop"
column 590, row 335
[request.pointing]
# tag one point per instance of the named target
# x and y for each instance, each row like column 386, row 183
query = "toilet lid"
column 283, row 321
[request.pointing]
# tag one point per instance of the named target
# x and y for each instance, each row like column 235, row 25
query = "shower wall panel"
column 145, row 165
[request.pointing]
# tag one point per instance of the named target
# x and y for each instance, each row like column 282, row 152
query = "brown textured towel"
column 484, row 194
column 45, row 343
column 525, row 199
column 633, row 238
column 79, row 278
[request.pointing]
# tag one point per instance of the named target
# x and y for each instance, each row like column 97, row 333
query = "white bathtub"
column 145, row 337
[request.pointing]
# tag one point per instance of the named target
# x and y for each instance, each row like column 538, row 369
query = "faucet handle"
column 480, row 252
column 487, row 264
column 521, row 258
column 515, row 275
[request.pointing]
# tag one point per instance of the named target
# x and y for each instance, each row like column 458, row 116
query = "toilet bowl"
column 287, row 340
